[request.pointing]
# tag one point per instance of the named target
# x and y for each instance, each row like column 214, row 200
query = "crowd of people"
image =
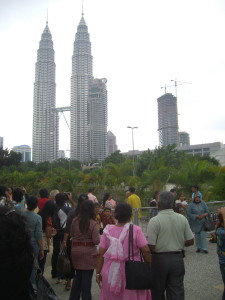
column 95, row 237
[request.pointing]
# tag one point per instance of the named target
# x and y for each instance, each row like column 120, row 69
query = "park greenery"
column 154, row 170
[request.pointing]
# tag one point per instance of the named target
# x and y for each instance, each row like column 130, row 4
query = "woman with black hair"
column 43, row 198
column 113, row 252
column 18, row 199
column 85, row 237
column 16, row 256
column 34, row 223
column 46, row 214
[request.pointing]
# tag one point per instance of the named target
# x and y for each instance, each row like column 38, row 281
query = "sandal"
column 68, row 285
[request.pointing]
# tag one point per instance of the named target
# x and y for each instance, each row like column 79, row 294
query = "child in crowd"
column 181, row 205
column 98, row 217
column 107, row 217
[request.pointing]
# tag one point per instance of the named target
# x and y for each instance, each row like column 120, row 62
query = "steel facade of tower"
column 45, row 120
column 168, row 120
column 80, row 81
column 97, row 120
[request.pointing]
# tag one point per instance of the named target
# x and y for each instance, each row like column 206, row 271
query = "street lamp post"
column 132, row 128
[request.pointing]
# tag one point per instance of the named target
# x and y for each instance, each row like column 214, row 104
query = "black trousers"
column 81, row 286
column 56, row 249
column 168, row 276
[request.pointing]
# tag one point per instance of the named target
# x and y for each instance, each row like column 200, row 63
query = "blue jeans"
column 36, row 253
column 200, row 240
column 222, row 270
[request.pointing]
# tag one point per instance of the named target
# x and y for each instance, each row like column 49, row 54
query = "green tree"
column 116, row 158
column 9, row 158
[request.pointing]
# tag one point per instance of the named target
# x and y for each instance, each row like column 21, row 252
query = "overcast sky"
column 138, row 45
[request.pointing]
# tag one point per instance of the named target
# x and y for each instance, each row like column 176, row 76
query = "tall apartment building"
column 45, row 122
column 112, row 146
column 167, row 120
column 88, row 122
column 184, row 138
column 97, row 120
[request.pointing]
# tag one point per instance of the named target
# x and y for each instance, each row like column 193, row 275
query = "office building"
column 167, row 120
column 97, row 120
column 86, row 132
column 1, row 142
column 25, row 151
column 202, row 149
column 184, row 138
column 112, row 146
column 45, row 123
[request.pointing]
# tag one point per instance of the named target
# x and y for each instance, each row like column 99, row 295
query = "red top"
column 107, row 220
column 41, row 202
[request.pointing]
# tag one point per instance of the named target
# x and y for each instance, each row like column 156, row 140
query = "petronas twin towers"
column 88, row 105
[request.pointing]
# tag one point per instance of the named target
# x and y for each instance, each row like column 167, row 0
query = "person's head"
column 17, row 195
column 123, row 212
column 32, row 203
column 131, row 190
column 105, row 198
column 166, row 200
column 173, row 192
column 220, row 217
column 197, row 198
column 90, row 190
column 182, row 197
column 127, row 194
column 87, row 212
column 60, row 199
column 96, row 205
column 4, row 191
column 10, row 190
column 15, row 246
column 47, row 211
column 155, row 195
column 43, row 193
column 107, row 211
column 80, row 200
column 194, row 188
column 52, row 194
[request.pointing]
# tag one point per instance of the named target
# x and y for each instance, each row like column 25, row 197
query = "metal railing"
column 148, row 212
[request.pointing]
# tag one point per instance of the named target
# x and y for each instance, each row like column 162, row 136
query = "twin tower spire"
column 88, row 103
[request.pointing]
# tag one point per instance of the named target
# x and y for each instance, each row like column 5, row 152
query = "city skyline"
column 138, row 47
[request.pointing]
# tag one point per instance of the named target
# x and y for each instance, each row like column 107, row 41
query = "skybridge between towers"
column 62, row 110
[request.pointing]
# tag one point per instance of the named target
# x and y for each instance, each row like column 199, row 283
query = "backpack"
column 60, row 228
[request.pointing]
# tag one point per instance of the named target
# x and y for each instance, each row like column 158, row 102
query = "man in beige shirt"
column 168, row 234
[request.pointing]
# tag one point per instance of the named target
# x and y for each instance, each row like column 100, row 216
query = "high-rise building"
column 112, row 146
column 1, row 142
column 184, row 138
column 88, row 122
column 167, row 120
column 25, row 151
column 97, row 120
column 45, row 122
column 80, row 80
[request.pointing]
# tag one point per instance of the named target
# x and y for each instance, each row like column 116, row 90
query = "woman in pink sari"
column 113, row 252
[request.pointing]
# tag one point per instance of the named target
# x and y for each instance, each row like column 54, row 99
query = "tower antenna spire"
column 82, row 8
column 47, row 18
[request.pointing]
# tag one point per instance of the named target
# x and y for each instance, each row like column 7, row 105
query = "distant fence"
column 148, row 212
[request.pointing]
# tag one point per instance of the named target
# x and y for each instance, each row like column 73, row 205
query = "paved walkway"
column 202, row 280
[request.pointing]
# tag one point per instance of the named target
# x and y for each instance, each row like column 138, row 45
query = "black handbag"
column 63, row 263
column 43, row 290
column 138, row 273
column 209, row 224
